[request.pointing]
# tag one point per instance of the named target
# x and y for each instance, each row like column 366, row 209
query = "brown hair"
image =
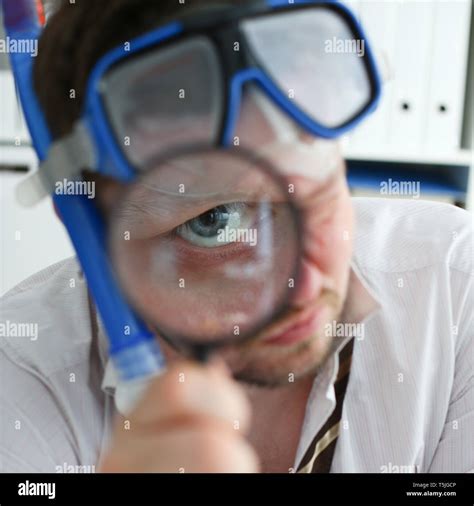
column 78, row 34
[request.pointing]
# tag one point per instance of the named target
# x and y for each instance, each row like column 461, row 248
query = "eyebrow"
column 138, row 212
column 146, row 199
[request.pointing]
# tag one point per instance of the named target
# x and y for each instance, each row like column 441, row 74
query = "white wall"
column 30, row 239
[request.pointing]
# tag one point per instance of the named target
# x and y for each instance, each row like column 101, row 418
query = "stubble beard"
column 272, row 366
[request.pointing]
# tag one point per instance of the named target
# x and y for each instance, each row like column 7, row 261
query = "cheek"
column 329, row 241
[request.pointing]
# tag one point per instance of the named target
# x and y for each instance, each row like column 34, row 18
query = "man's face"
column 296, row 344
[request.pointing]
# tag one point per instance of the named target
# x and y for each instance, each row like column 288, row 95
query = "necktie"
column 318, row 457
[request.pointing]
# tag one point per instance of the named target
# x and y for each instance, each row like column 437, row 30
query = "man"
column 370, row 370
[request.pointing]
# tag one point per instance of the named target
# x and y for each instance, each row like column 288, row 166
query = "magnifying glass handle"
column 201, row 354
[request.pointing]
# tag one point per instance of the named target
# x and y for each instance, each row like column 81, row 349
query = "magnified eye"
column 217, row 226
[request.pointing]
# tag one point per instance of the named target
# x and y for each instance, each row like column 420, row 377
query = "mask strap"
column 66, row 158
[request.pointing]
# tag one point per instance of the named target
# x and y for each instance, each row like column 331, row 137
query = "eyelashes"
column 206, row 229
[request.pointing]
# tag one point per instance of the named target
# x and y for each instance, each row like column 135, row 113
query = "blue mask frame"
column 133, row 348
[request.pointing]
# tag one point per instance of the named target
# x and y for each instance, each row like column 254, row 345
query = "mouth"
column 296, row 328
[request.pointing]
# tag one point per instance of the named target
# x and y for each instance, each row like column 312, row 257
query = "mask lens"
column 205, row 245
column 164, row 99
column 319, row 63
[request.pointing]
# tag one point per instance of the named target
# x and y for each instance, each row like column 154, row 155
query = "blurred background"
column 421, row 134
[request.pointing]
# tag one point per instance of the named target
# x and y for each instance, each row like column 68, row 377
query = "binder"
column 448, row 73
column 408, row 108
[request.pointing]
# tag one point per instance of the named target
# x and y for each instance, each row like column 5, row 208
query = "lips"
column 300, row 327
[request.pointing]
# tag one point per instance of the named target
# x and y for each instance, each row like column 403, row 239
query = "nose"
column 262, row 122
column 254, row 128
column 268, row 131
column 305, row 137
column 308, row 286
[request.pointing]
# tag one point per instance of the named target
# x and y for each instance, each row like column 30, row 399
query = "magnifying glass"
column 206, row 246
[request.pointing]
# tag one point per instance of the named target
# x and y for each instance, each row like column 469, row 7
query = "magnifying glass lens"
column 205, row 246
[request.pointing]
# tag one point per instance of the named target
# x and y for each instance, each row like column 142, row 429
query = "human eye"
column 218, row 226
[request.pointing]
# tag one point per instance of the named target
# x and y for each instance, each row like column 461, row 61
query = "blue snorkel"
column 133, row 348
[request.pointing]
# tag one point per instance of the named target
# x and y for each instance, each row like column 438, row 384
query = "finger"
column 188, row 450
column 192, row 390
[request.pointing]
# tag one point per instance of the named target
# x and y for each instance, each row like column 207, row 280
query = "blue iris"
column 209, row 223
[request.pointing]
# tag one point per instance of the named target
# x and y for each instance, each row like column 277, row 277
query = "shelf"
column 444, row 180
column 17, row 156
column 463, row 157
column 429, row 184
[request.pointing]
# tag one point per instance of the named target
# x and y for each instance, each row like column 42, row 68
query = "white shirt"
column 409, row 405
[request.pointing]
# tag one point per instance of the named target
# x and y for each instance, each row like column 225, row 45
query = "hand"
column 191, row 419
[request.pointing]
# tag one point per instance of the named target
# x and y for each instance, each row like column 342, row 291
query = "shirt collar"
column 360, row 304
